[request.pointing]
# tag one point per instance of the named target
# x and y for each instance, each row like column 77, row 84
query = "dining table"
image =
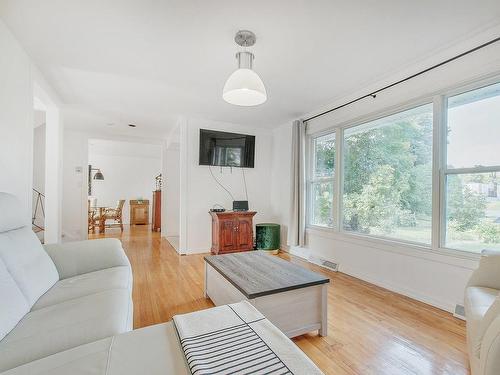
column 100, row 215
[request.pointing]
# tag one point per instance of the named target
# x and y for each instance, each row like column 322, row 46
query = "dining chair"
column 115, row 214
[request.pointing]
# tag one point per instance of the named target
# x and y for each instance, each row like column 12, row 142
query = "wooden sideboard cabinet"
column 156, row 215
column 139, row 212
column 232, row 231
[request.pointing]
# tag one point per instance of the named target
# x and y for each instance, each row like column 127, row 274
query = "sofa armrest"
column 488, row 273
column 75, row 258
column 490, row 350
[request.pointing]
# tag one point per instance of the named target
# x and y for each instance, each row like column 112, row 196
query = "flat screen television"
column 226, row 149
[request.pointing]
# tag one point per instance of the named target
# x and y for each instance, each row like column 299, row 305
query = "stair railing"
column 39, row 198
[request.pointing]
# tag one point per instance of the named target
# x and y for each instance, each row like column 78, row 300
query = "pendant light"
column 244, row 87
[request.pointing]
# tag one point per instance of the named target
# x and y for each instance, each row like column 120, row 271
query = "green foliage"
column 323, row 191
column 325, row 157
column 388, row 175
column 465, row 208
column 489, row 232
column 378, row 204
column 323, row 195
column 388, row 182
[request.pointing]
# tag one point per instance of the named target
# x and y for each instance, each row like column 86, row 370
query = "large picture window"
column 384, row 179
column 472, row 173
column 387, row 189
column 321, row 181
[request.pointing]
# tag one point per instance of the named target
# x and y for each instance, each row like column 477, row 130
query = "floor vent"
column 459, row 312
column 324, row 263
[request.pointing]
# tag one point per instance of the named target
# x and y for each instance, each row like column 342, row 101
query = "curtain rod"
column 374, row 93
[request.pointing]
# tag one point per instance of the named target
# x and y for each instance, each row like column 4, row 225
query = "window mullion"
column 471, row 170
column 438, row 177
column 337, row 188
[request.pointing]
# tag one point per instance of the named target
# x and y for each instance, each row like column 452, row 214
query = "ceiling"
column 122, row 148
column 149, row 61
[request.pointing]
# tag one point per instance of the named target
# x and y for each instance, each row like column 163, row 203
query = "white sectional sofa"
column 57, row 297
column 67, row 309
column 482, row 311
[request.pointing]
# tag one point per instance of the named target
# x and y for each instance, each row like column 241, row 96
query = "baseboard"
column 300, row 252
column 173, row 241
column 448, row 306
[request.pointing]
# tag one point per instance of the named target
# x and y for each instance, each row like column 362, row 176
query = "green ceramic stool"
column 268, row 237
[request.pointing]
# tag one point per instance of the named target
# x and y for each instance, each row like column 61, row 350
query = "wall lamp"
column 97, row 176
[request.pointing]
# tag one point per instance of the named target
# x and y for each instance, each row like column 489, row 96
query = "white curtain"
column 296, row 226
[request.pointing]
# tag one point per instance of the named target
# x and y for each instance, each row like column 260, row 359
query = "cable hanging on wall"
column 245, row 183
column 218, row 182
column 374, row 93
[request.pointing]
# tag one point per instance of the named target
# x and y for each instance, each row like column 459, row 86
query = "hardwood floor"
column 370, row 330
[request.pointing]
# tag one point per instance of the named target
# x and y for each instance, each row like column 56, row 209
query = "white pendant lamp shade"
column 245, row 88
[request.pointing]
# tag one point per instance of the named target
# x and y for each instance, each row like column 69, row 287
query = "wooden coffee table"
column 290, row 296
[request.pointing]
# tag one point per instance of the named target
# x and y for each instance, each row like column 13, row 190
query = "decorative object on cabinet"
column 139, row 211
column 232, row 231
column 115, row 214
column 267, row 237
column 158, row 182
column 156, row 216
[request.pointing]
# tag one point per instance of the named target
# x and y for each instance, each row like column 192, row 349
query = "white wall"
column 74, row 197
column 435, row 277
column 280, row 187
column 20, row 82
column 202, row 192
column 39, row 167
column 171, row 191
column 16, row 120
column 39, row 158
column 125, row 177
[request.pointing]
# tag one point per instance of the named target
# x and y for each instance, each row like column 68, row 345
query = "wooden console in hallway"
column 139, row 212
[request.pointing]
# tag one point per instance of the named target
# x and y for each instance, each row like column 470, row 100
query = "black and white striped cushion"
column 234, row 350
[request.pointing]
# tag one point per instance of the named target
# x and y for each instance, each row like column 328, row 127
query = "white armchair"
column 482, row 311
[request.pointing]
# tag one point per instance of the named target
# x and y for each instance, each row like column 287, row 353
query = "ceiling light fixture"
column 244, row 87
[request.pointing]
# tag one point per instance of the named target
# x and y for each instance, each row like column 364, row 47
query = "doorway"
column 46, row 167
column 124, row 187
column 39, row 169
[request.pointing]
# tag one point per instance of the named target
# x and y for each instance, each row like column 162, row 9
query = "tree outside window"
column 388, row 176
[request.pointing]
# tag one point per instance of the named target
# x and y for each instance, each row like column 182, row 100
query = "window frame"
column 311, row 179
column 444, row 171
column 439, row 101
column 403, row 108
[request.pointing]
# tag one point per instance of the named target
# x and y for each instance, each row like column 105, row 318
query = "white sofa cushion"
column 153, row 350
column 79, row 257
column 86, row 284
column 14, row 305
column 66, row 325
column 13, row 215
column 27, row 262
column 478, row 301
column 88, row 359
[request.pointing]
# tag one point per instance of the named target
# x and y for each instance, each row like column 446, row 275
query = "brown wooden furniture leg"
column 102, row 220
